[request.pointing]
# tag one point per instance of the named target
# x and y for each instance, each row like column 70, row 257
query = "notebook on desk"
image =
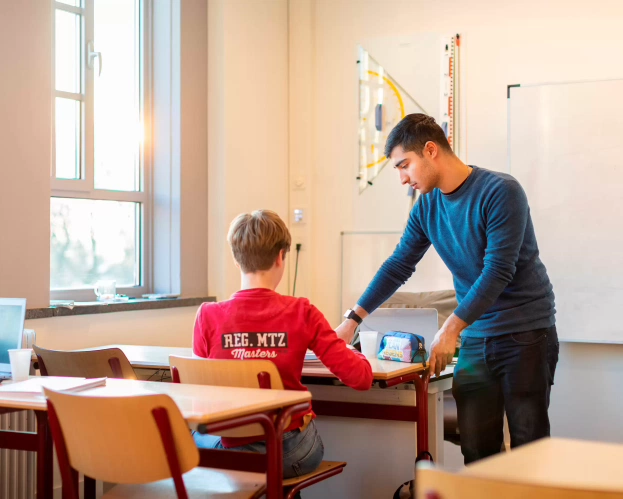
column 58, row 383
column 12, row 315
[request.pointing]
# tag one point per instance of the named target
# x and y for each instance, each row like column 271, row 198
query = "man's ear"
column 431, row 150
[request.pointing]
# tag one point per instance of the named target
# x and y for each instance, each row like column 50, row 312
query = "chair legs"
column 290, row 493
column 164, row 427
column 68, row 474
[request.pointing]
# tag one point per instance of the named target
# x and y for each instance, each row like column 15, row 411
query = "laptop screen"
column 12, row 314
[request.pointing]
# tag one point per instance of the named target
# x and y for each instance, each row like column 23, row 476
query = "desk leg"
column 421, row 396
column 45, row 485
column 435, row 427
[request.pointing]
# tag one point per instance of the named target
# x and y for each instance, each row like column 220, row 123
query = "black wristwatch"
column 350, row 314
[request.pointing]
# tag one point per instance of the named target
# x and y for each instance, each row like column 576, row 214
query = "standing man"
column 479, row 223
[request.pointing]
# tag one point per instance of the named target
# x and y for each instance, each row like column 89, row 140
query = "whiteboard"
column 363, row 253
column 566, row 150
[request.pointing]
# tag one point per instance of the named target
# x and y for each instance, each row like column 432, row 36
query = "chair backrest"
column 218, row 372
column 106, row 362
column 436, row 484
column 117, row 439
column 238, row 373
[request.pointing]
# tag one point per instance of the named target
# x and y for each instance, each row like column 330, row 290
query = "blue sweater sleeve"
column 506, row 215
column 399, row 266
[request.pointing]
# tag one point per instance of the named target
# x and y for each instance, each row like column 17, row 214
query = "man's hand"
column 444, row 345
column 346, row 330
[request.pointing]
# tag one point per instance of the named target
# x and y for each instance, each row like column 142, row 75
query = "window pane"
column 67, row 52
column 117, row 112
column 93, row 240
column 67, row 138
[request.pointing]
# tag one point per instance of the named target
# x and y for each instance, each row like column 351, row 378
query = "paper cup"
column 20, row 363
column 370, row 342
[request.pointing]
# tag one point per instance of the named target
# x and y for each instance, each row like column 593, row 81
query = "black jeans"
column 512, row 373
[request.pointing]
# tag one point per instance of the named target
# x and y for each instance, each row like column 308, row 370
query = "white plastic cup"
column 370, row 343
column 20, row 363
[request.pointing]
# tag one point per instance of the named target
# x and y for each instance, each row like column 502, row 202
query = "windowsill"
column 105, row 308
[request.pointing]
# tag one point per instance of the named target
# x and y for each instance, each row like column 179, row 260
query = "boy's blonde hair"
column 257, row 239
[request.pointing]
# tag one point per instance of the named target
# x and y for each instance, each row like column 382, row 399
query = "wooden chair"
column 141, row 443
column 246, row 374
column 432, row 483
column 106, row 362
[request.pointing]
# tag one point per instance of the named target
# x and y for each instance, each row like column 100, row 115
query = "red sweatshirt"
column 262, row 324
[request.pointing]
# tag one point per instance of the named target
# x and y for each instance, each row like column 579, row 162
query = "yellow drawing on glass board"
column 382, row 104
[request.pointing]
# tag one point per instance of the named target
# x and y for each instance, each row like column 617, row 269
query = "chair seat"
column 200, row 483
column 326, row 467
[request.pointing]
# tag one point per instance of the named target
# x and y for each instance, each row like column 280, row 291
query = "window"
column 100, row 199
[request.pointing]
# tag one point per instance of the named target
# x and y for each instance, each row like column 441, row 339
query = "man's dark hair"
column 413, row 131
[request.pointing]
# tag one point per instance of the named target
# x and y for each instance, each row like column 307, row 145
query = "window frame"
column 84, row 188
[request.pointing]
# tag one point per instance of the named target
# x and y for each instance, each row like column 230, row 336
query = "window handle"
column 91, row 58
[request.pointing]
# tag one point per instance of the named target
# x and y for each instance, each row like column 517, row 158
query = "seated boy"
column 258, row 323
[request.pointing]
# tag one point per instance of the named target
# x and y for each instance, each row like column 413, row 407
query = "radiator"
column 18, row 468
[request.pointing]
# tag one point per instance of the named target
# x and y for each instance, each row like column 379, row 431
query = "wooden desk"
column 218, row 408
column 383, row 370
column 557, row 462
column 204, row 404
column 153, row 357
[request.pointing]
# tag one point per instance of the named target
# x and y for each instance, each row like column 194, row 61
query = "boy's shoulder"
column 293, row 302
column 237, row 300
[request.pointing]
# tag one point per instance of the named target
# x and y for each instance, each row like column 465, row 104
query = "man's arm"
column 393, row 273
column 346, row 330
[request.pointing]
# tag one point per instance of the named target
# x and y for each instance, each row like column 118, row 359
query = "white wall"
column 194, row 148
column 503, row 43
column 247, row 123
column 171, row 327
column 25, row 150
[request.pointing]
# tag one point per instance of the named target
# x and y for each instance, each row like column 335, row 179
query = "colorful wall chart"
column 382, row 104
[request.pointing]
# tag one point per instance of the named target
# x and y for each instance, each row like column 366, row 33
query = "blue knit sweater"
column 484, row 234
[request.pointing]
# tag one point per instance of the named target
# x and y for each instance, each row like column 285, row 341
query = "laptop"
column 422, row 321
column 12, row 315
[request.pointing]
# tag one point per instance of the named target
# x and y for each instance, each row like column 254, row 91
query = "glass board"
column 566, row 150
